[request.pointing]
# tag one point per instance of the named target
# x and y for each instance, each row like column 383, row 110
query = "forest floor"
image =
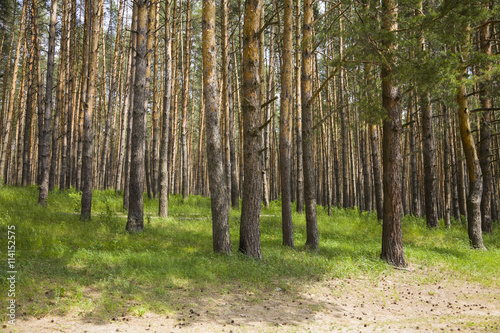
column 394, row 303
column 93, row 276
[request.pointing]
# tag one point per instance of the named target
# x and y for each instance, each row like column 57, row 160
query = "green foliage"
column 98, row 269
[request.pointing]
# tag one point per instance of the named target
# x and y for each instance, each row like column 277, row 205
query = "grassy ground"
column 99, row 270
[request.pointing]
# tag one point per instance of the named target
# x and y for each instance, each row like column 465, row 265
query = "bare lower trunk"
column 87, row 173
column 429, row 154
column 312, row 241
column 163, row 186
column 218, row 187
column 474, row 171
column 286, row 126
column 252, row 183
column 135, row 220
column 392, row 237
column 377, row 174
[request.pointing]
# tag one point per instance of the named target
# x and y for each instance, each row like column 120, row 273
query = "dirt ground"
column 405, row 301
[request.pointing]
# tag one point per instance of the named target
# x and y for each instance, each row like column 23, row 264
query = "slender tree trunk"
column 235, row 194
column 312, row 241
column 286, row 126
column 298, row 108
column 447, row 170
column 128, row 151
column 485, row 135
column 430, row 165
column 45, row 152
column 87, row 160
column 377, row 173
column 392, row 237
column 111, row 99
column 185, row 97
column 218, row 187
column 252, row 184
column 155, row 114
column 135, row 220
column 164, row 178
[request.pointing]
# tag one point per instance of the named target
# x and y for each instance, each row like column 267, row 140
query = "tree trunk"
column 312, row 241
column 235, row 193
column 485, row 135
column 218, row 187
column 298, row 108
column 429, row 153
column 164, row 178
column 45, row 142
column 111, row 99
column 286, row 126
column 135, row 220
column 447, row 170
column 87, row 174
column 377, row 174
column 392, row 237
column 185, row 97
column 473, row 170
column 252, row 183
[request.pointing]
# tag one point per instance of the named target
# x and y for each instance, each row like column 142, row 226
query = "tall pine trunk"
column 218, row 187
column 164, row 178
column 286, row 126
column 45, row 138
column 312, row 241
column 135, row 220
column 87, row 158
column 392, row 237
column 252, row 137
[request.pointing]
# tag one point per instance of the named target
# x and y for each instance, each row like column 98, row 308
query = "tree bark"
column 135, row 220
column 312, row 241
column 87, row 172
column 377, row 173
column 485, row 135
column 430, row 165
column 185, row 97
column 45, row 142
column 298, row 108
column 392, row 237
column 218, row 187
column 167, row 77
column 473, row 170
column 252, row 137
column 286, row 126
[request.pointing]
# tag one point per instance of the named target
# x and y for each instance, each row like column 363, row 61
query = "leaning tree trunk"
column 286, row 126
column 312, row 241
column 135, row 220
column 87, row 174
column 474, row 171
column 163, row 186
column 392, row 236
column 472, row 161
column 252, row 138
column 218, row 187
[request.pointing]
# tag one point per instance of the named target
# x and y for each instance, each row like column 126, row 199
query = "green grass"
column 99, row 270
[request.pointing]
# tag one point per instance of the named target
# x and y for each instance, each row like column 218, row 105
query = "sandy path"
column 397, row 303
